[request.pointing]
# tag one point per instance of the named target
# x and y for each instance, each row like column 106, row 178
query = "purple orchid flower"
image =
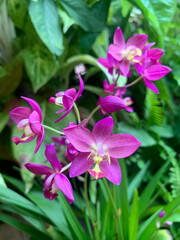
column 110, row 63
column 153, row 73
column 29, row 121
column 99, row 149
column 54, row 179
column 126, row 53
column 66, row 99
column 111, row 104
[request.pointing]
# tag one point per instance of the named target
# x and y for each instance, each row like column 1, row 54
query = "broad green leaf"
column 96, row 90
column 150, row 188
column 44, row 16
column 137, row 181
column 23, row 227
column 2, row 72
column 40, row 65
column 3, row 120
column 90, row 19
column 10, row 81
column 143, row 136
column 133, row 220
column 72, row 220
column 67, row 20
column 163, row 131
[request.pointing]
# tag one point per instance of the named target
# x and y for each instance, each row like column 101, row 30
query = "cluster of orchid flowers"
column 95, row 152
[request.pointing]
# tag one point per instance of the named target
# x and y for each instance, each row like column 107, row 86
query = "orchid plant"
column 93, row 151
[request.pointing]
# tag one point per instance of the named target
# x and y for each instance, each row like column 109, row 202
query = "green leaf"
column 150, row 188
column 90, row 19
column 2, row 182
column 143, row 136
column 67, row 20
column 162, row 235
column 165, row 131
column 133, row 220
column 78, row 231
column 23, row 227
column 137, row 180
column 44, row 16
column 3, row 120
column 10, row 81
column 96, row 90
column 12, row 198
column 2, row 72
column 40, row 65
column 150, row 225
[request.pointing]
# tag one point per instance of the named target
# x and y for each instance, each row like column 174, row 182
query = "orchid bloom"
column 153, row 73
column 67, row 99
column 126, row 53
column 54, row 179
column 110, row 63
column 99, row 149
column 29, row 121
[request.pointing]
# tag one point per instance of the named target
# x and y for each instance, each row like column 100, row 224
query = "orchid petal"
column 38, row 169
column 39, row 140
column 18, row 140
column 70, row 93
column 104, row 62
column 52, row 100
column 49, row 195
column 103, row 129
column 64, row 185
column 81, row 88
column 112, row 104
column 150, row 85
column 67, row 101
column 155, row 53
column 118, row 38
column 64, row 115
column 62, row 110
column 48, row 181
column 116, row 51
column 51, row 156
column 124, row 67
column 138, row 41
column 112, row 170
column 80, row 164
column 34, row 122
column 34, row 105
column 120, row 145
column 20, row 113
column 81, row 138
column 156, row 72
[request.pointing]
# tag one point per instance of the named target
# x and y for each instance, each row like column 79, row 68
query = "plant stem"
column 131, row 84
column 53, row 130
column 89, row 209
column 114, row 209
column 77, row 113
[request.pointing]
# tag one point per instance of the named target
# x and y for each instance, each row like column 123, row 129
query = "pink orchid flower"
column 67, row 99
column 54, row 179
column 99, row 149
column 29, row 121
column 126, row 53
column 110, row 63
column 152, row 73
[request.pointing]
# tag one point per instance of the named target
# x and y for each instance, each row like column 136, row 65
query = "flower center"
column 59, row 101
column 131, row 53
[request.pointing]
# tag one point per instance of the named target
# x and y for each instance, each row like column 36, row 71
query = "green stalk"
column 95, row 226
column 131, row 84
column 53, row 130
column 120, row 235
column 77, row 113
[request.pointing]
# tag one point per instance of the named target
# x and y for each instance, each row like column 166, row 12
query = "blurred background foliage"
column 41, row 41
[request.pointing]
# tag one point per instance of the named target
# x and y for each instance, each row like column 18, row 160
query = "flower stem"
column 53, row 130
column 66, row 167
column 114, row 209
column 89, row 209
column 131, row 84
column 77, row 113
